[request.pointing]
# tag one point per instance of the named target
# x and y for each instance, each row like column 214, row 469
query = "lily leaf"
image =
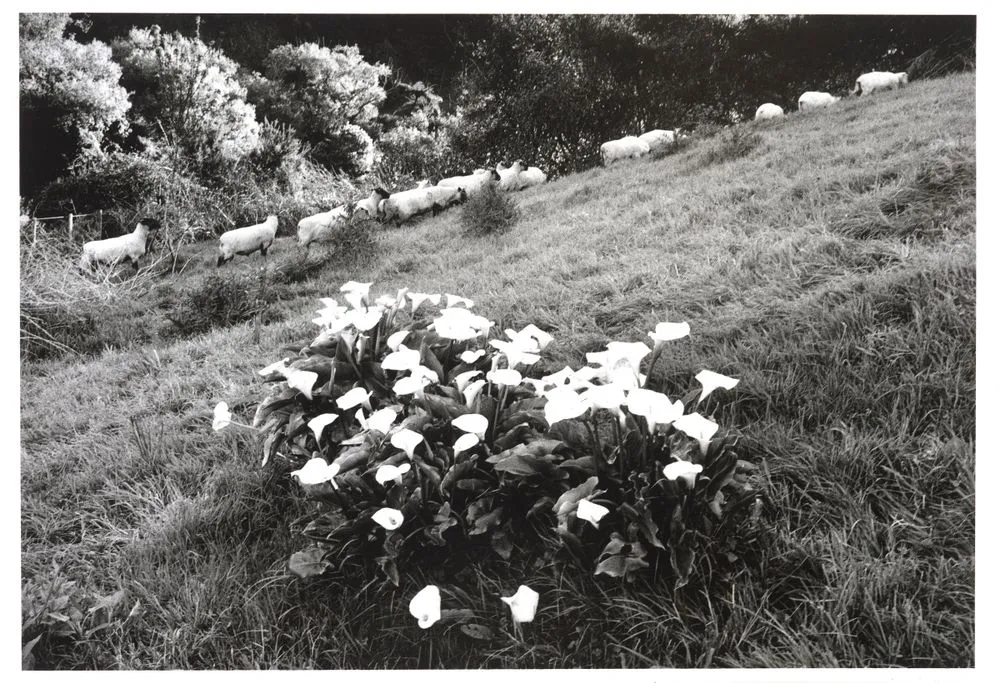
column 477, row 631
column 620, row 565
column 568, row 500
column 308, row 562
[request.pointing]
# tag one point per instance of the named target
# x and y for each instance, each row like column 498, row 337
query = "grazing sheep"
column 402, row 206
column 443, row 197
column 510, row 178
column 814, row 100
column 868, row 83
column 768, row 111
column 368, row 208
column 628, row 147
column 659, row 138
column 320, row 226
column 423, row 183
column 472, row 184
column 129, row 247
column 532, row 176
column 245, row 241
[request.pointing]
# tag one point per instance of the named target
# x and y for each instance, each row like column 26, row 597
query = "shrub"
column 490, row 211
column 421, row 452
column 734, row 144
column 220, row 301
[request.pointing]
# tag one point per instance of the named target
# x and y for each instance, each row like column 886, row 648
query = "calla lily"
column 539, row 385
column 402, row 359
column 588, row 374
column 365, row 320
column 407, row 440
column 281, row 367
column 425, row 374
column 389, row 519
column 303, row 380
column 523, row 604
column 387, row 473
column 509, row 378
column 514, row 353
column 542, row 338
column 710, row 381
column 463, row 379
column 453, row 299
column 380, row 420
column 395, row 339
column 682, row 469
column 665, row 332
column 465, row 442
column 405, row 386
column 426, row 606
column 565, row 378
column 563, row 404
column 318, row 423
column 353, row 398
column 222, row 416
column 590, row 512
column 416, row 299
column 359, row 287
column 471, row 357
column 697, row 427
column 623, row 362
column 473, row 423
column 386, row 301
column 472, row 391
column 608, row 396
column 456, row 330
column 655, row 407
column 317, row 471
column 355, row 299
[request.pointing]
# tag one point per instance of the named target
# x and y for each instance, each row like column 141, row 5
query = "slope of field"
column 831, row 268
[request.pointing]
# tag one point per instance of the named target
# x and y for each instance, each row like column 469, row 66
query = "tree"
column 70, row 99
column 189, row 105
column 330, row 97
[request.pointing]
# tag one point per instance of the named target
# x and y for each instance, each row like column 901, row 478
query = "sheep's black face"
column 382, row 193
column 150, row 223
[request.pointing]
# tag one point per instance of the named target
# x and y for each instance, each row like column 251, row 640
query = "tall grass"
column 831, row 269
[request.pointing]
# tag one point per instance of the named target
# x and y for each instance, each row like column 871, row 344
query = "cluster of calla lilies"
column 610, row 381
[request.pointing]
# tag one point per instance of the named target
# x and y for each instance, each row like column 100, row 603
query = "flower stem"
column 595, row 444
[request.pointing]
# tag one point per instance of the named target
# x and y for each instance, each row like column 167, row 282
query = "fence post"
column 71, row 225
column 100, row 223
column 34, row 232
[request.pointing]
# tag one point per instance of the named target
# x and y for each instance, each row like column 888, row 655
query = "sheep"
column 368, row 208
column 443, row 196
column 659, row 138
column 245, row 241
column 128, row 247
column 813, row 100
column 320, row 226
column 532, row 176
column 868, row 83
column 628, row 147
column 472, row 184
column 401, row 206
column 510, row 178
column 768, row 111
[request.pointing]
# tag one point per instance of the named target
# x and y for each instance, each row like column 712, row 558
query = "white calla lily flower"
column 280, row 367
column 354, row 398
column 302, row 380
column 523, row 604
column 425, row 606
column 654, row 406
column 402, row 359
column 222, row 417
column 454, row 299
column 317, row 471
column 389, row 519
column 472, row 391
column 361, row 288
column 563, row 404
column 380, row 420
column 665, row 332
column 365, row 320
column 405, row 386
column 387, row 473
column 541, row 337
column 463, row 379
column 465, row 442
column 395, row 339
column 319, row 423
column 697, row 427
column 514, row 353
column 591, row 512
column 682, row 469
column 507, row 377
column 710, row 381
column 416, row 298
column 470, row 357
column 473, row 423
column 407, row 440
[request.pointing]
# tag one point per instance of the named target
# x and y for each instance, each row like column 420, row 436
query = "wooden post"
column 71, row 226
column 100, row 224
column 34, row 232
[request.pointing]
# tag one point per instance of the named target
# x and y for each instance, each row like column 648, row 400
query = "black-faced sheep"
column 114, row 250
column 245, row 241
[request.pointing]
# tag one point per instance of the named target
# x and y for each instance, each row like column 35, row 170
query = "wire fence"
column 76, row 227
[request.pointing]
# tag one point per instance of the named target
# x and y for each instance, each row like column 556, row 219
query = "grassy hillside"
column 827, row 260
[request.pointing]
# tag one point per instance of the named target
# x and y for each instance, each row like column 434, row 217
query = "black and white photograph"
column 365, row 339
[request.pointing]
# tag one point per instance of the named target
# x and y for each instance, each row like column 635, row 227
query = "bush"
column 416, row 463
column 490, row 211
column 220, row 301
column 734, row 144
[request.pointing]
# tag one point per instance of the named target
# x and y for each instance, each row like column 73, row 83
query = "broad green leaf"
column 501, row 544
column 534, row 418
column 620, row 565
column 308, row 562
column 356, row 456
column 456, row 472
column 584, row 464
column 108, row 602
column 568, row 500
column 682, row 560
column 430, row 360
column 486, row 522
column 389, row 568
column 477, row 631
column 614, row 546
column 519, row 433
column 641, row 516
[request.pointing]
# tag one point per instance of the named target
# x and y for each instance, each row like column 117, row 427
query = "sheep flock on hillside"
column 427, row 197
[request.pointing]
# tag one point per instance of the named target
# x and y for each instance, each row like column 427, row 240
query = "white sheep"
column 659, row 138
column 114, row 250
column 814, row 100
column 532, row 176
column 768, row 111
column 321, row 226
column 401, row 206
column 245, row 241
column 868, row 83
column 472, row 184
column 628, row 147
column 368, row 208
column 443, row 196
column 510, row 178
